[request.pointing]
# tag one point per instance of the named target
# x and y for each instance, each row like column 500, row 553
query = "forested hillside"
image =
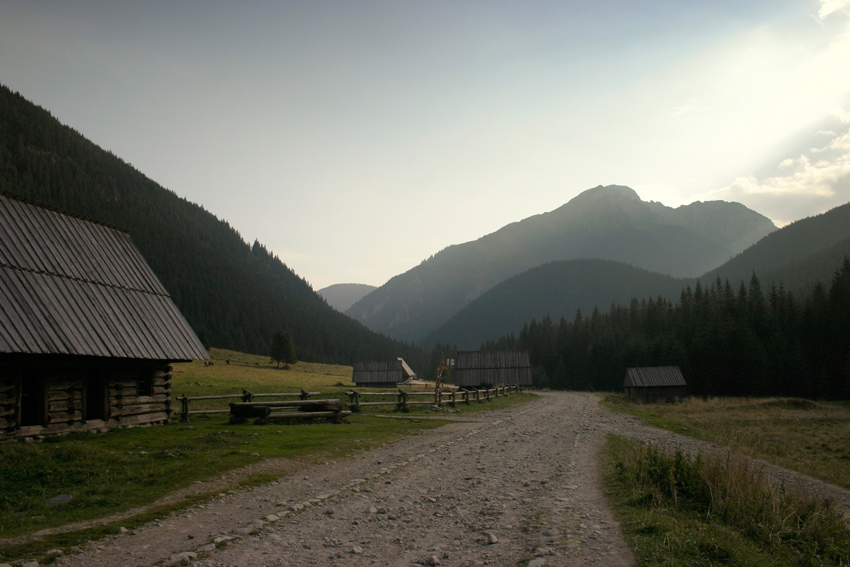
column 609, row 223
column 798, row 255
column 555, row 289
column 235, row 295
column 729, row 339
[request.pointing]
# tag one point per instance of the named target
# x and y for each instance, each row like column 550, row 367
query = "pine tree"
column 288, row 350
column 278, row 348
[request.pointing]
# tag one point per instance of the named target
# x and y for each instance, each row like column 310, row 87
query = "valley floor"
column 500, row 488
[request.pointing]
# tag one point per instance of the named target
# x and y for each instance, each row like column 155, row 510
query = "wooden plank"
column 219, row 397
column 308, row 414
column 65, row 405
column 64, row 417
column 64, row 385
column 132, row 400
column 141, row 408
column 54, row 397
column 292, row 403
column 144, row 418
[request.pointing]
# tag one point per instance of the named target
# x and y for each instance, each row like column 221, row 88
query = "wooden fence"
column 452, row 397
column 307, row 407
column 245, row 397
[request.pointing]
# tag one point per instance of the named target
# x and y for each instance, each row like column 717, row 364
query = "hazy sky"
column 357, row 138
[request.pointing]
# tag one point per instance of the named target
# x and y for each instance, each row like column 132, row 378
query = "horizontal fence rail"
column 249, row 406
column 402, row 401
column 245, row 396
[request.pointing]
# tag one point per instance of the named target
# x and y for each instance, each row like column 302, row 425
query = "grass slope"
column 810, row 437
column 125, row 469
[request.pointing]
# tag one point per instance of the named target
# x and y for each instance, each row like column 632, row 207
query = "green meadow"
column 804, row 435
column 129, row 469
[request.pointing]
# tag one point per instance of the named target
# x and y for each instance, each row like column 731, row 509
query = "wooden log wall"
column 8, row 403
column 65, row 381
column 128, row 407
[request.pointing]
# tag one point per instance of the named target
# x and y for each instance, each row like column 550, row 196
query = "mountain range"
column 603, row 223
column 604, row 246
column 343, row 296
column 235, row 294
column 796, row 257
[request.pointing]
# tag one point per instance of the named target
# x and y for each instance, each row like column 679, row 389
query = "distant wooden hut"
column 382, row 373
column 87, row 331
column 474, row 368
column 654, row 384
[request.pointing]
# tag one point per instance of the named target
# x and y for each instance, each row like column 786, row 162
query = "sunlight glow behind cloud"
column 356, row 139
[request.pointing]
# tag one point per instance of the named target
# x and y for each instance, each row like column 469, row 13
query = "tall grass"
column 715, row 494
column 808, row 436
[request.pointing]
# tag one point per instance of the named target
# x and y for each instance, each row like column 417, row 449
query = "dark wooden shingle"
column 72, row 286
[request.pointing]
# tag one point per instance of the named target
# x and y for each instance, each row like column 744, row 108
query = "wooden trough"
column 266, row 412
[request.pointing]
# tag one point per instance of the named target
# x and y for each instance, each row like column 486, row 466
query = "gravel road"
column 502, row 488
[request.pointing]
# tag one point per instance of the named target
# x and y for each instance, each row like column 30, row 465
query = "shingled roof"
column 382, row 372
column 474, row 367
column 72, row 286
column 653, row 376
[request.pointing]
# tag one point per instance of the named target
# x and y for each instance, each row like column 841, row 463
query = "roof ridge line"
column 53, row 208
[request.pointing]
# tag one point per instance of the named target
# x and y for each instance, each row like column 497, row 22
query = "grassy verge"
column 677, row 511
column 803, row 435
column 124, row 469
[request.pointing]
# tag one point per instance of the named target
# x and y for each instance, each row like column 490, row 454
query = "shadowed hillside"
column 609, row 223
column 235, row 295
column 556, row 290
column 343, row 296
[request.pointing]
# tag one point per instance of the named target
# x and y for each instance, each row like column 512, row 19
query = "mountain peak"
column 611, row 191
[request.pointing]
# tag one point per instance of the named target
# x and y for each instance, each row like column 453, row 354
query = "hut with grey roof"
column 382, row 373
column 654, row 384
column 474, row 368
column 87, row 331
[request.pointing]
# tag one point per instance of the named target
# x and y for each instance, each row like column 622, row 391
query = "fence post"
column 305, row 395
column 247, row 396
column 184, row 408
column 402, row 400
column 452, row 403
column 354, row 396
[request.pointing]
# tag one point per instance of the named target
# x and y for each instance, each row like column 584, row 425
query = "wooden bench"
column 264, row 412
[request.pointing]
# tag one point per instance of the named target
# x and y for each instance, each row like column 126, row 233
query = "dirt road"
column 502, row 488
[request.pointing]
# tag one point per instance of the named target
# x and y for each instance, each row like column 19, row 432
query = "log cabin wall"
column 48, row 395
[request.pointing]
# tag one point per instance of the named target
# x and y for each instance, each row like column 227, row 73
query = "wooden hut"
column 382, row 373
column 654, row 384
column 474, row 368
column 87, row 331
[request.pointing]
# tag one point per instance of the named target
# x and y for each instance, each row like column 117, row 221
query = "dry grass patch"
column 717, row 511
column 804, row 435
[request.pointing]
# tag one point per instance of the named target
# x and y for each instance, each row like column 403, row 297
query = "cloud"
column 829, row 7
column 811, row 183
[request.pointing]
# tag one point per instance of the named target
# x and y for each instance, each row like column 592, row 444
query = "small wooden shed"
column 87, row 331
column 654, row 384
column 382, row 373
column 474, row 368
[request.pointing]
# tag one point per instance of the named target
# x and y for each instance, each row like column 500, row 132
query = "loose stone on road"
column 520, row 484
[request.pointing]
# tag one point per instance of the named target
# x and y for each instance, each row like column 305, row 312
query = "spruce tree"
column 278, row 348
column 288, row 350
